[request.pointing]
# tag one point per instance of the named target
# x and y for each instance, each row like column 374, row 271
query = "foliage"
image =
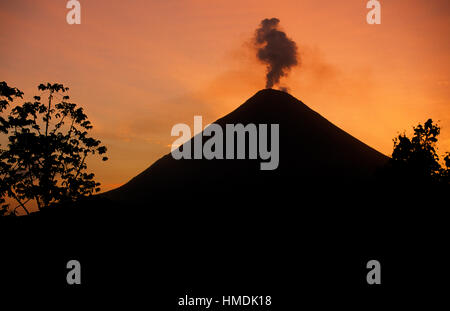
column 416, row 159
column 7, row 95
column 45, row 160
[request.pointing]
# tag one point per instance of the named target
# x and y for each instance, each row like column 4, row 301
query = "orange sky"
column 139, row 67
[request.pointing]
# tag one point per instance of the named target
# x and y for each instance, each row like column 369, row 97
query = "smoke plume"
column 275, row 49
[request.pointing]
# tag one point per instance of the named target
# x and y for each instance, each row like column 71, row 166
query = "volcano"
column 228, row 226
column 313, row 153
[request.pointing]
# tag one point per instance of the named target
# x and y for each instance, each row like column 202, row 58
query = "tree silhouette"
column 7, row 95
column 416, row 160
column 45, row 160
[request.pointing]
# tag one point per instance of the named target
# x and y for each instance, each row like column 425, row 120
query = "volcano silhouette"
column 218, row 226
column 313, row 153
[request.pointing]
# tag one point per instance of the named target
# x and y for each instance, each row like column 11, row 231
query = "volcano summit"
column 312, row 153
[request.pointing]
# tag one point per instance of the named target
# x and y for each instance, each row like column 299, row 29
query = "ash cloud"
column 275, row 49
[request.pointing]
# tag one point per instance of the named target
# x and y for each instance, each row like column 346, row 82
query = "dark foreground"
column 308, row 247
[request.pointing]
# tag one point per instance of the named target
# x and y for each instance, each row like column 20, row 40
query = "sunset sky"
column 139, row 67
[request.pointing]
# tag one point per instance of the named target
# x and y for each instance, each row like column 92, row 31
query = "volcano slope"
column 315, row 156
